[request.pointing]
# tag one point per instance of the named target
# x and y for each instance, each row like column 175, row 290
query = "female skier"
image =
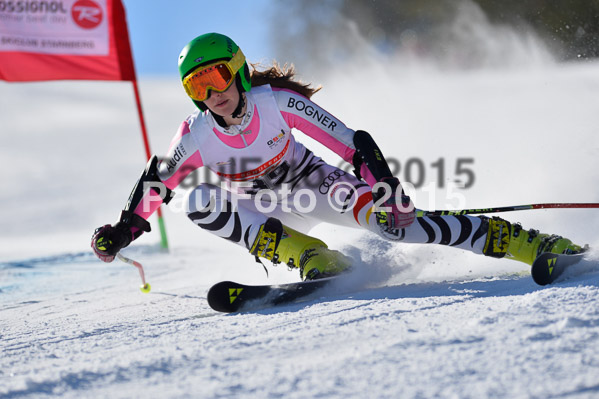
column 242, row 132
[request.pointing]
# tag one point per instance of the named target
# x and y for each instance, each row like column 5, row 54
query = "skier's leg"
column 341, row 199
column 493, row 237
column 240, row 220
column 229, row 215
column 224, row 214
column 353, row 206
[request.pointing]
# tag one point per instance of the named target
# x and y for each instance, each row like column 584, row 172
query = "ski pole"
column 145, row 288
column 505, row 209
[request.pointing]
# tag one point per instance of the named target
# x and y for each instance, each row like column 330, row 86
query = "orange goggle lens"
column 217, row 77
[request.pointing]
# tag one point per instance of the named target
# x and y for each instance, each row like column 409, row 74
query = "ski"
column 229, row 296
column 548, row 266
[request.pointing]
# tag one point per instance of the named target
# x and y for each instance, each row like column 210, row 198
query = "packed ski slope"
column 414, row 321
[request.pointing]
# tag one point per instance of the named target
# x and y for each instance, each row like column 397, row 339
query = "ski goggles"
column 217, row 76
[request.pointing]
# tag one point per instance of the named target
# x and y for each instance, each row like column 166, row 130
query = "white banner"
column 66, row 27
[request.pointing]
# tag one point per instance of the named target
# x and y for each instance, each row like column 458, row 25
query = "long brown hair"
column 281, row 77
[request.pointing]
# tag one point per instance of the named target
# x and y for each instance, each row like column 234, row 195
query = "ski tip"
column 548, row 266
column 541, row 274
column 220, row 295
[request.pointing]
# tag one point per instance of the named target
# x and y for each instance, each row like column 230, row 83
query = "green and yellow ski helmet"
column 208, row 49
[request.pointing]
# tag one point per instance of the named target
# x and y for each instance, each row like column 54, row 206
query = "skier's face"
column 224, row 103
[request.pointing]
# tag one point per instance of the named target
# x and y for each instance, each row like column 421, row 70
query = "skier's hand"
column 108, row 240
column 397, row 211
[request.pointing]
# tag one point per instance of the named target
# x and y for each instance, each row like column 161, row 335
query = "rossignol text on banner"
column 73, row 27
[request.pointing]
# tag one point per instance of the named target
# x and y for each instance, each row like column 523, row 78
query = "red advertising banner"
column 69, row 40
column 64, row 39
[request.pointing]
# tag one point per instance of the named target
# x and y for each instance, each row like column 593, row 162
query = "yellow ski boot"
column 513, row 242
column 525, row 246
column 279, row 243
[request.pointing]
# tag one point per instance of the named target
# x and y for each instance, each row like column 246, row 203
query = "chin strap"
column 241, row 103
column 219, row 119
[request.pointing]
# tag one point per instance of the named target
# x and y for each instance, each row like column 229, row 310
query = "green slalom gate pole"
column 161, row 226
column 163, row 239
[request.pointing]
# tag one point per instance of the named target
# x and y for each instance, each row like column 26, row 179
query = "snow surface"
column 418, row 321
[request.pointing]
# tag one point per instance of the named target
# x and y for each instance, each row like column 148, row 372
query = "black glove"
column 108, row 240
